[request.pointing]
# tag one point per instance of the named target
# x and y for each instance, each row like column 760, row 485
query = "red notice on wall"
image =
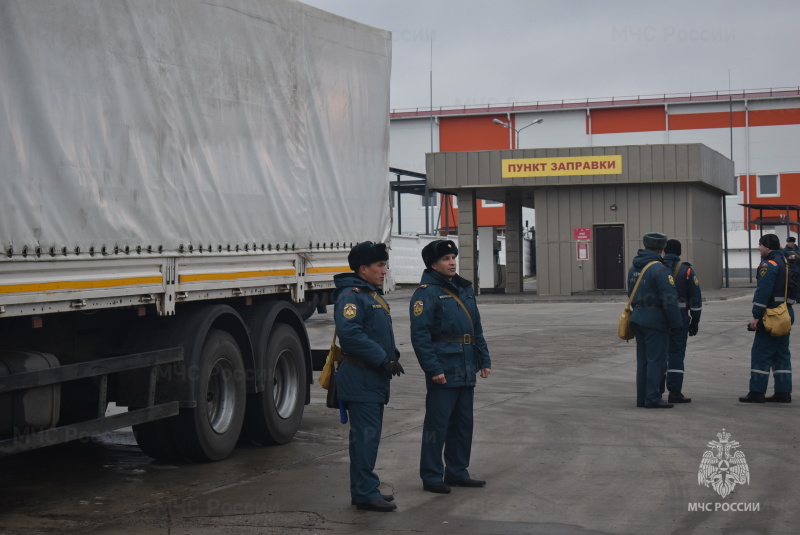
column 581, row 234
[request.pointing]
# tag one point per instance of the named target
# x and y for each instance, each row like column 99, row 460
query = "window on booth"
column 768, row 186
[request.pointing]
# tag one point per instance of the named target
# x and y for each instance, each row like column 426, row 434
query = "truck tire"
column 157, row 441
column 274, row 415
column 210, row 431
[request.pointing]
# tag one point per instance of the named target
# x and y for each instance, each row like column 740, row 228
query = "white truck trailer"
column 179, row 183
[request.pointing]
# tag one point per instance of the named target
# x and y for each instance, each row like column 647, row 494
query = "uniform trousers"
column 366, row 420
column 448, row 425
column 651, row 363
column 770, row 352
column 676, row 357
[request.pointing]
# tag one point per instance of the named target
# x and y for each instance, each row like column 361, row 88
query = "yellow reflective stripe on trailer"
column 77, row 285
column 205, row 277
column 335, row 269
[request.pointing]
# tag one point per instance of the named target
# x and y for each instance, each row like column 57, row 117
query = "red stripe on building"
column 476, row 132
column 775, row 117
column 699, row 121
column 623, row 120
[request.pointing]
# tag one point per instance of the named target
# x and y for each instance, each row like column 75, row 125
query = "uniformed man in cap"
column 793, row 259
column 769, row 352
column 448, row 340
column 690, row 303
column 364, row 327
column 655, row 316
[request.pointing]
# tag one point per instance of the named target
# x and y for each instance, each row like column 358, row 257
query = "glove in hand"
column 693, row 328
column 392, row 367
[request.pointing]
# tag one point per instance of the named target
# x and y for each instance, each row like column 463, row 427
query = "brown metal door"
column 610, row 254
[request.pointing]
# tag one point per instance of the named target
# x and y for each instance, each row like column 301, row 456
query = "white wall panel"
column 562, row 129
column 774, row 149
column 409, row 141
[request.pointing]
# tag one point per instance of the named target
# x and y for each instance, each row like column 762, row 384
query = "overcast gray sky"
column 496, row 51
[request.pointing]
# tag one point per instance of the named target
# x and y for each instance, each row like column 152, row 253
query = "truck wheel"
column 156, row 440
column 274, row 415
column 209, row 432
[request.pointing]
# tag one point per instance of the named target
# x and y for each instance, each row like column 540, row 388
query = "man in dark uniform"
column 364, row 327
column 655, row 316
column 448, row 340
column 791, row 244
column 769, row 352
column 793, row 259
column 690, row 303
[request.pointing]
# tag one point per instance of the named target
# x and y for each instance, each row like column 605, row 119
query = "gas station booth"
column 592, row 207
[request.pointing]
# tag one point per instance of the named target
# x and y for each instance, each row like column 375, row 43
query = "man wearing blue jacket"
column 364, row 327
column 655, row 316
column 770, row 352
column 690, row 303
column 448, row 340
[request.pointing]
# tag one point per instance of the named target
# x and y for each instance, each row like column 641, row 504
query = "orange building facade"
column 758, row 130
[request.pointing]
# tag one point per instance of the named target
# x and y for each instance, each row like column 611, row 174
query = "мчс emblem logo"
column 721, row 468
column 349, row 311
column 418, row 305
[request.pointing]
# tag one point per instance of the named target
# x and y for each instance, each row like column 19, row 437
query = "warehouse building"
column 757, row 129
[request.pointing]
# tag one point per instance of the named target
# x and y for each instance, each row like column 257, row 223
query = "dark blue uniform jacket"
column 655, row 304
column 770, row 283
column 365, row 333
column 793, row 259
column 433, row 312
column 690, row 298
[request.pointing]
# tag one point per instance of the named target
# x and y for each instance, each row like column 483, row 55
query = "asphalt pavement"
column 558, row 437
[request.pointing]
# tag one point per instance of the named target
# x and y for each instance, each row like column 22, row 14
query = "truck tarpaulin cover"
column 175, row 122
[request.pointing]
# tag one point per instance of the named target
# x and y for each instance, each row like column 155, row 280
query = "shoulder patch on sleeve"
column 762, row 270
column 349, row 311
column 418, row 307
column 671, row 280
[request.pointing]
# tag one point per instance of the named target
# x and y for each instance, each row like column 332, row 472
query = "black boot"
column 378, row 504
column 677, row 397
column 780, row 397
column 753, row 397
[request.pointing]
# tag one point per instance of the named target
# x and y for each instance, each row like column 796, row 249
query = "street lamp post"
column 538, row 120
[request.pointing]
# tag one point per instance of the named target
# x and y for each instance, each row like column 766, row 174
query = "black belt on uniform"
column 354, row 361
column 456, row 338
